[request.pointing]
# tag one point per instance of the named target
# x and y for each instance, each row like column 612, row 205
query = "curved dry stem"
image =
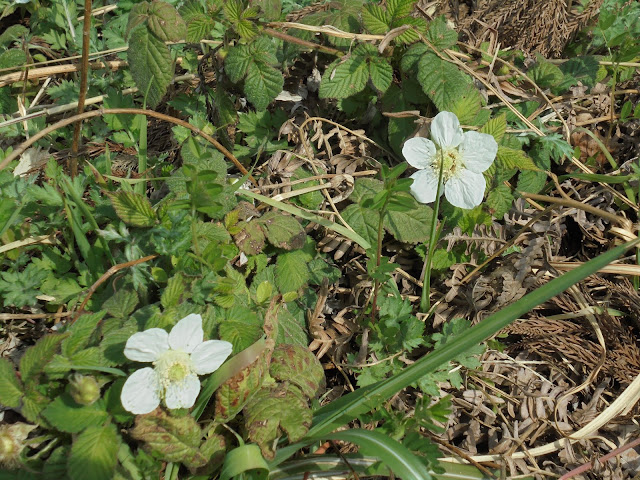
column 132, row 111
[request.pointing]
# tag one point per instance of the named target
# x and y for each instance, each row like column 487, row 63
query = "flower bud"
column 84, row 389
column 12, row 439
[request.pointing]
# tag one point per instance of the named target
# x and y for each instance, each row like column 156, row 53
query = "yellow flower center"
column 173, row 366
column 450, row 161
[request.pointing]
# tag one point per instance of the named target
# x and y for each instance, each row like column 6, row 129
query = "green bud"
column 84, row 389
column 12, row 443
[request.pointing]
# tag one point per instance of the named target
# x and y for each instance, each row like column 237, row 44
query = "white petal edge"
column 187, row 334
column 208, row 356
column 419, row 152
column 141, row 392
column 478, row 151
column 147, row 346
column 183, row 394
column 425, row 185
column 445, row 130
column 465, row 190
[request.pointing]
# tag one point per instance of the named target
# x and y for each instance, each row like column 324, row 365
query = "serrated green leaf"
column 122, row 303
column 237, row 62
column 292, row 271
column 137, row 16
column 190, row 10
column 400, row 8
column 411, row 58
column 364, row 221
column 233, row 394
column 531, row 181
column 134, row 209
column 35, row 358
column 290, row 330
column 298, row 365
column 310, row 200
column 165, row 22
column 496, row 127
column 199, row 27
column 273, row 411
column 10, row 386
column 94, row 454
column 12, row 33
column 344, row 78
column 250, row 239
column 381, row 73
column 579, row 69
column 172, row 294
column 173, row 439
column 499, row 201
column 33, row 402
column 241, row 332
column 441, row 81
column 440, row 35
column 12, row 58
column 376, row 20
column 467, row 106
column 508, row 158
column 150, row 64
column 411, row 226
column 409, row 36
column 233, row 10
column 67, row 416
column 80, row 332
column 545, row 74
column 263, row 84
column 283, row 231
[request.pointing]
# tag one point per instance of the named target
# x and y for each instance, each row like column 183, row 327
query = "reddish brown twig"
column 588, row 466
column 105, row 276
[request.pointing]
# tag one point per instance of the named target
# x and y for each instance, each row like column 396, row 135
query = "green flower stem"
column 425, row 300
column 376, row 283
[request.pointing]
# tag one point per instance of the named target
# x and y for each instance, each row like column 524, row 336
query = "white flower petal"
column 182, row 394
column 208, row 356
column 465, row 190
column 478, row 151
column 419, row 152
column 187, row 334
column 141, row 392
column 445, row 130
column 425, row 185
column 147, row 346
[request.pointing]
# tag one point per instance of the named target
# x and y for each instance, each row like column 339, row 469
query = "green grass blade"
column 345, row 409
column 243, row 459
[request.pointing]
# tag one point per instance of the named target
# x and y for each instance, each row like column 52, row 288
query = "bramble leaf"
column 499, row 200
column 165, row 22
column 376, row 19
column 67, row 416
column 134, row 209
column 283, row 231
column 35, row 358
column 263, row 84
column 508, row 158
column 443, row 83
column 496, row 127
column 342, row 79
column 298, row 365
column 150, row 63
column 10, row 386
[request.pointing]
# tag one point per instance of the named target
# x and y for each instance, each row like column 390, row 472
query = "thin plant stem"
column 376, row 284
column 425, row 300
column 84, row 74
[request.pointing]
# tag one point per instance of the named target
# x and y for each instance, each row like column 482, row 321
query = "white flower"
column 178, row 358
column 464, row 156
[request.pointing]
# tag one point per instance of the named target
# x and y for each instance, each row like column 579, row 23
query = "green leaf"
column 80, row 332
column 579, row 69
column 35, row 358
column 381, row 73
column 292, row 271
column 545, row 74
column 13, row 33
column 122, row 303
column 10, row 386
column 12, row 58
column 400, row 8
column 172, row 294
column 440, row 35
column 250, row 239
column 508, row 158
column 245, row 458
column 311, row 200
column 496, row 127
column 150, row 63
column 364, row 221
column 263, row 84
column 32, row 404
column 199, row 27
column 443, row 83
column 67, row 416
column 242, row 327
column 138, row 15
column 344, row 78
column 499, row 201
column 376, row 20
column 275, row 410
column 94, row 454
column 165, row 22
column 134, row 209
column 411, row 58
column 531, row 182
column 283, row 231
column 290, row 330
column 467, row 106
column 173, row 439
column 297, row 365
column 234, row 393
column 237, row 62
column 411, row 226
